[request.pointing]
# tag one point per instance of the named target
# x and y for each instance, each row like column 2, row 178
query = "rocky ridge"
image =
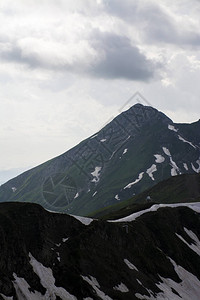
column 151, row 254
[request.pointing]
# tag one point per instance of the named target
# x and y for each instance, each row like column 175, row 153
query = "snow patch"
column 175, row 170
column 185, row 166
column 117, row 149
column 95, row 285
column 14, row 189
column 76, row 196
column 96, row 174
column 94, row 194
column 151, row 170
column 196, row 246
column 58, row 256
column 166, row 151
column 171, row 127
column 121, row 288
column 194, row 206
column 83, row 220
column 125, row 151
column 188, row 288
column 65, row 239
column 159, row 158
column 92, row 137
column 134, row 182
column 197, row 170
column 6, row 297
column 140, row 283
column 130, row 265
column 117, row 197
column 103, row 140
column 48, row 282
column 22, row 289
column 185, row 141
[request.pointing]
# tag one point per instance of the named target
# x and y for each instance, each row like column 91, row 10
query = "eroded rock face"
column 46, row 255
column 132, row 153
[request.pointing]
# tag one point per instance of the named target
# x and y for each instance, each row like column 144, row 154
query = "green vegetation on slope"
column 177, row 189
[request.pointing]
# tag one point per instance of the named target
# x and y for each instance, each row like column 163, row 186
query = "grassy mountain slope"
column 178, row 189
column 138, row 149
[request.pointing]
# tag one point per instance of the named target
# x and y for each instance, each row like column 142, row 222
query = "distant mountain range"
column 138, row 149
column 151, row 254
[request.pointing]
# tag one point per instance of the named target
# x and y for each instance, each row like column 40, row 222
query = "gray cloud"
column 160, row 27
column 126, row 9
column 103, row 54
column 153, row 22
column 120, row 59
column 34, row 59
column 114, row 58
column 14, row 54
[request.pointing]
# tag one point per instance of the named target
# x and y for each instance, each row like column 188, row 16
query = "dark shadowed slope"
column 45, row 255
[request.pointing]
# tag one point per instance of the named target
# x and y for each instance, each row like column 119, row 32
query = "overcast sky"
column 68, row 66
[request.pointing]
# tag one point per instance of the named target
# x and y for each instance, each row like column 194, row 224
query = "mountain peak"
column 140, row 114
column 138, row 105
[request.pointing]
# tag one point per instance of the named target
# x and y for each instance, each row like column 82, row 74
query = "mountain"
column 135, row 151
column 151, row 254
column 176, row 189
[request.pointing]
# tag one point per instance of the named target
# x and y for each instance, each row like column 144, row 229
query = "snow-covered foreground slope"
column 188, row 288
column 154, row 254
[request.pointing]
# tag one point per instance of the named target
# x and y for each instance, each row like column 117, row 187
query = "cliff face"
column 153, row 254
